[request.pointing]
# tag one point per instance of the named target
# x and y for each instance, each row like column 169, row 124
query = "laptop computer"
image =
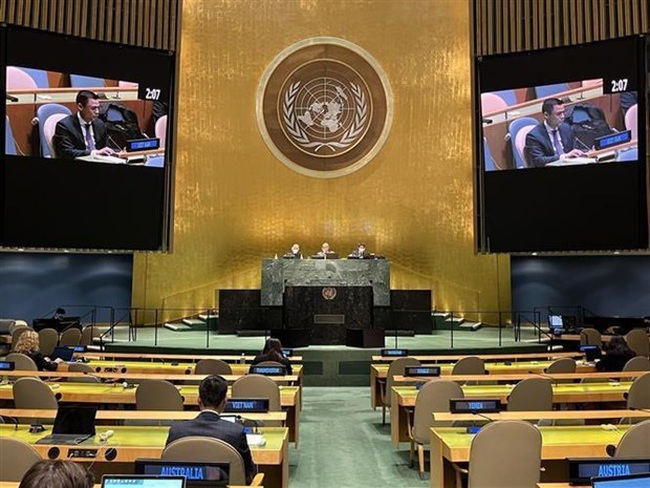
column 142, row 481
column 62, row 353
column 72, row 426
column 639, row 480
column 197, row 474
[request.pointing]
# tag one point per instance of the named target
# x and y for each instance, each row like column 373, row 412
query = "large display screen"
column 86, row 154
column 561, row 149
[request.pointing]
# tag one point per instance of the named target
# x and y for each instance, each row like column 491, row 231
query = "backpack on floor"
column 588, row 123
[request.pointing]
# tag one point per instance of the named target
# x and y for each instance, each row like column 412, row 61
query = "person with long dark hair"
column 273, row 352
column 57, row 474
column 617, row 353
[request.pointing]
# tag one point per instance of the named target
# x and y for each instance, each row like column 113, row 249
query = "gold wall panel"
column 235, row 203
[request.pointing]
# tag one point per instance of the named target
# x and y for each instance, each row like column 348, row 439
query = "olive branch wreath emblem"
column 302, row 138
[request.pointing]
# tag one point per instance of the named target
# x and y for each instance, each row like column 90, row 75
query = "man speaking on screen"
column 551, row 140
column 81, row 134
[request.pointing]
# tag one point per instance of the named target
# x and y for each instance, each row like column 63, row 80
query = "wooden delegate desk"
column 186, row 358
column 557, row 377
column 452, row 444
column 131, row 443
column 542, row 415
column 486, row 357
column 290, row 380
column 378, row 373
column 403, row 399
column 16, row 484
column 110, row 417
column 116, row 394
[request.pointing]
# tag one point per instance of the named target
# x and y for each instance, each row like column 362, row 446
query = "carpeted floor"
column 344, row 445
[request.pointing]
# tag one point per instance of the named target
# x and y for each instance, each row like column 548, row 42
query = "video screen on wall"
column 86, row 154
column 561, row 148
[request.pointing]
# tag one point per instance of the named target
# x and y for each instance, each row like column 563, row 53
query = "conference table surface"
column 446, row 358
column 229, row 358
column 63, row 372
column 515, row 377
column 16, row 484
column 403, row 399
column 135, row 442
column 378, row 373
column 117, row 394
column 452, row 445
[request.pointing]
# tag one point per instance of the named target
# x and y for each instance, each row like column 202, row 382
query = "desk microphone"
column 11, row 98
column 255, row 424
column 110, row 139
column 487, row 121
column 479, row 414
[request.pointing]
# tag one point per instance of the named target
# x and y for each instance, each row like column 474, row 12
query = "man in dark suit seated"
column 81, row 134
column 212, row 400
column 293, row 253
column 360, row 252
column 551, row 140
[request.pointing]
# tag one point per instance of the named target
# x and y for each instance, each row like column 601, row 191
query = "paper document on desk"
column 256, row 440
column 99, row 158
column 573, row 161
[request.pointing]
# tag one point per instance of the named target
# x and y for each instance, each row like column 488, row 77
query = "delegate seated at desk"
column 293, row 253
column 212, row 400
column 551, row 140
column 360, row 252
column 326, row 252
column 82, row 134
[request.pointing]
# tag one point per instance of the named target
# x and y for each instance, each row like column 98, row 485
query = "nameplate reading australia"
column 324, row 107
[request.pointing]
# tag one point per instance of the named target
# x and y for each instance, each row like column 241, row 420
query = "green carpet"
column 344, row 445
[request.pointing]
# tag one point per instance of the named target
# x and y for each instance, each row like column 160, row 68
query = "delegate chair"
column 43, row 113
column 82, row 81
column 638, row 363
column 546, row 91
column 10, row 142
column 492, row 103
column 210, row 450
column 638, row 396
column 639, row 342
column 258, row 386
column 531, row 394
column 631, row 121
column 16, row 333
column 433, row 397
column 22, row 362
column 490, row 165
column 86, row 336
column 49, row 129
column 631, row 154
column 70, row 337
column 524, row 124
column 504, row 453
column 47, row 340
column 508, row 96
column 397, row 367
column 19, row 79
column 158, row 395
column 634, row 443
column 83, row 368
column 39, row 76
column 161, row 129
column 563, row 365
column 16, row 457
column 468, row 366
column 212, row 366
column 33, row 393
column 590, row 337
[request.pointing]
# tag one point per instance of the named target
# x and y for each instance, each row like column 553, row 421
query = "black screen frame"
column 600, row 207
column 71, row 205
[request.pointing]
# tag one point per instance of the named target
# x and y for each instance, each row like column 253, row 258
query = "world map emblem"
column 324, row 107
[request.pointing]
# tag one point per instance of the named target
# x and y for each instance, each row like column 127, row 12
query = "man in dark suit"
column 212, row 400
column 551, row 140
column 81, row 134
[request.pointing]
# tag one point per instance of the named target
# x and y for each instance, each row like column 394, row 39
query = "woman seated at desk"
column 28, row 345
column 273, row 352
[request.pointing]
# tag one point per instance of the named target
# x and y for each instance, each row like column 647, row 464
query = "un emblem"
column 324, row 107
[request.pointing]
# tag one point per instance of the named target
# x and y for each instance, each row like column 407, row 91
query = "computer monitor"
column 62, row 353
column 555, row 324
column 197, row 474
column 142, row 481
column 591, row 352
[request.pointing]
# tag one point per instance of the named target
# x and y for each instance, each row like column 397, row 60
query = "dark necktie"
column 556, row 143
column 89, row 139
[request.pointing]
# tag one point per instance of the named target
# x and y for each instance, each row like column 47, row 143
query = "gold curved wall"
column 235, row 203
